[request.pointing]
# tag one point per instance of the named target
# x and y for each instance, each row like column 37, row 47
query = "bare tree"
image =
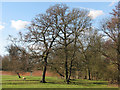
column 112, row 30
column 42, row 34
column 71, row 23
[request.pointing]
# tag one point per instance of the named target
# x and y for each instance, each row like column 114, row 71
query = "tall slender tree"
column 112, row 29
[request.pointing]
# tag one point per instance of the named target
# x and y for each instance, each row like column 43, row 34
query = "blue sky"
column 16, row 15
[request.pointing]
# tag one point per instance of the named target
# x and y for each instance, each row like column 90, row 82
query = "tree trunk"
column 89, row 74
column 70, row 69
column 72, row 59
column 85, row 74
column 66, row 66
column 59, row 73
column 66, row 72
column 18, row 75
column 44, row 70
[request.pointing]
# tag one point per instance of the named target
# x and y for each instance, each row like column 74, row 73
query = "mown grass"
column 52, row 82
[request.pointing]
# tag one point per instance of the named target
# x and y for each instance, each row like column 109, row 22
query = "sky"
column 16, row 15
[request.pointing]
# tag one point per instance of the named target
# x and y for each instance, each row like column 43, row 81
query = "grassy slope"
column 53, row 82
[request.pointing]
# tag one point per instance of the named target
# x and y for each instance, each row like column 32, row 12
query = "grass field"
column 9, row 81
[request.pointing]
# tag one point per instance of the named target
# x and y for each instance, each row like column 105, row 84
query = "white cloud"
column 3, row 44
column 111, row 4
column 1, row 27
column 95, row 13
column 19, row 24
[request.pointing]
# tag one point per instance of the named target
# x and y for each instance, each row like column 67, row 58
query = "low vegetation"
column 53, row 82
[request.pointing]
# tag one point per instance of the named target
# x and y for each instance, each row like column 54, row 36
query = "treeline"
column 64, row 41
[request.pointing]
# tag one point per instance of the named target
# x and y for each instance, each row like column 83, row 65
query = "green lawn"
column 52, row 82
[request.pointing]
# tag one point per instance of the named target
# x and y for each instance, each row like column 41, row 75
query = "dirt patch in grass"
column 7, row 73
column 113, row 85
column 35, row 73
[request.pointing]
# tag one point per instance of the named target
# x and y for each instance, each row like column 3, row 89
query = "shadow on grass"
column 90, row 82
column 72, row 82
column 18, row 83
column 22, row 80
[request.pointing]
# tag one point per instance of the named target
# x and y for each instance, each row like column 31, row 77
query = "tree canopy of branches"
column 58, row 26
